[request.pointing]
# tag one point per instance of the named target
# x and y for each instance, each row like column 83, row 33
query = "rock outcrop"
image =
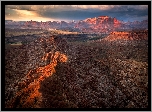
column 28, row 95
column 101, row 24
column 26, row 90
column 130, row 35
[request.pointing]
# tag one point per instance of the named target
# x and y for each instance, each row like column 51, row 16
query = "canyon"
column 98, row 62
column 53, row 72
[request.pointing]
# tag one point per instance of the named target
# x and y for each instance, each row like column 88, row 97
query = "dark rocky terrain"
column 52, row 72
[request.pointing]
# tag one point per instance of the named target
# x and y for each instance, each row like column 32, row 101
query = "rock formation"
column 130, row 35
column 28, row 95
column 101, row 24
column 26, row 90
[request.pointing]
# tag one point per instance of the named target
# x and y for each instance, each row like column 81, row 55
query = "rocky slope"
column 58, row 74
column 43, row 56
column 130, row 35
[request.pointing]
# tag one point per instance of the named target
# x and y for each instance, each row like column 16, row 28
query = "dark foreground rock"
column 57, row 74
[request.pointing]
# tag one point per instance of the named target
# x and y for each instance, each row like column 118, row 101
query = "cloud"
column 20, row 7
column 139, row 7
column 24, row 13
column 78, row 12
column 74, row 7
column 130, row 13
column 120, row 12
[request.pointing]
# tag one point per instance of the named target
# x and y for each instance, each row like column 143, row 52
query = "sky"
column 74, row 12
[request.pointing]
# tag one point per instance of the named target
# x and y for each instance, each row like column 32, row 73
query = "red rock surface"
column 99, row 24
column 28, row 94
column 130, row 35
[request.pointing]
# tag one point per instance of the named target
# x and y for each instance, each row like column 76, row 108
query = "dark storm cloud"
column 80, row 12
column 20, row 7
column 71, row 15
column 124, row 13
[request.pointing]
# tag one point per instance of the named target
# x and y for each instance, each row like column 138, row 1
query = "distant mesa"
column 100, row 24
column 130, row 35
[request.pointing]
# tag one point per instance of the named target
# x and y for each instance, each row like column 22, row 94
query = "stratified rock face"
column 103, row 21
column 99, row 24
column 132, row 35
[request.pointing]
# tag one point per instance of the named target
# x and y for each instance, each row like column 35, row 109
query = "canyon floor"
column 53, row 72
